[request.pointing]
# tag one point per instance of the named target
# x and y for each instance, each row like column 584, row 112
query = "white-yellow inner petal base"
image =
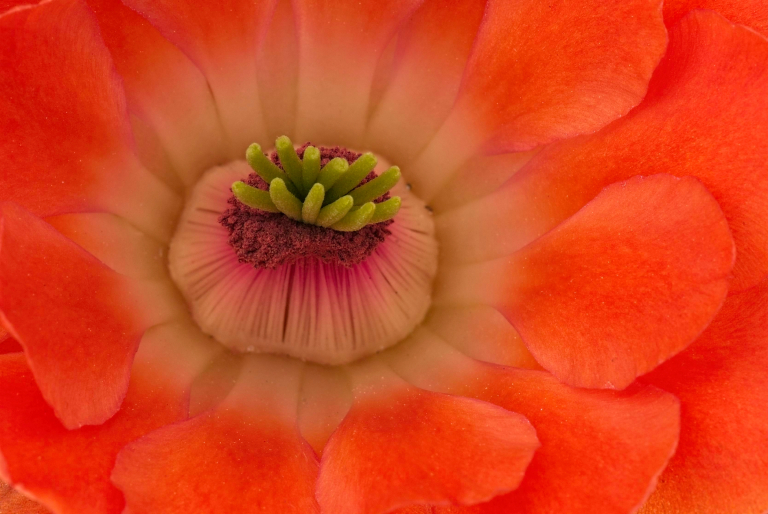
column 314, row 311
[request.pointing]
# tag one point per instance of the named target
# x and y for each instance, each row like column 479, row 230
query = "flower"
column 576, row 324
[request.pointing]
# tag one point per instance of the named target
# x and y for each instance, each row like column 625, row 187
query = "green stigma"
column 330, row 197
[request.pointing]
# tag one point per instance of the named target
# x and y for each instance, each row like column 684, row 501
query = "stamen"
column 323, row 197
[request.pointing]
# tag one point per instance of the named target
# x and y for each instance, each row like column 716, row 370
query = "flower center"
column 310, row 252
column 314, row 226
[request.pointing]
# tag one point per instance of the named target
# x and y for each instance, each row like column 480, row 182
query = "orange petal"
column 339, row 47
column 752, row 13
column 68, row 470
column 414, row 509
column 478, row 177
column 480, row 332
column 704, row 116
column 601, row 451
column 66, row 142
column 223, row 41
column 400, row 445
column 542, row 71
column 431, row 53
column 325, row 400
column 6, row 5
column 161, row 84
column 278, row 88
column 129, row 252
column 625, row 283
column 545, row 71
column 114, row 242
column 721, row 463
column 66, row 308
column 245, row 452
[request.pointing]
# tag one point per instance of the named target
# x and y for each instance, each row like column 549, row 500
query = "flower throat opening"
column 308, row 252
column 280, row 222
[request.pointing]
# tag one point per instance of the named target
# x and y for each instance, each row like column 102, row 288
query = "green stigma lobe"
column 331, row 197
column 253, row 197
column 265, row 168
column 331, row 172
column 284, row 200
column 357, row 171
column 310, row 167
column 386, row 210
column 356, row 218
column 291, row 162
column 333, row 212
column 312, row 204
column 376, row 187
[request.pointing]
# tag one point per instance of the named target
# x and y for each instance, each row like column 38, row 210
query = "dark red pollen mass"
column 269, row 240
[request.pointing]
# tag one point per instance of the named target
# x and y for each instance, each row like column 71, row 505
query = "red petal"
column 66, row 309
column 66, row 143
column 721, row 463
column 752, row 13
column 339, row 47
column 223, row 41
column 245, row 452
column 621, row 286
column 399, row 445
column 704, row 116
column 601, row 451
column 161, row 84
column 68, row 470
